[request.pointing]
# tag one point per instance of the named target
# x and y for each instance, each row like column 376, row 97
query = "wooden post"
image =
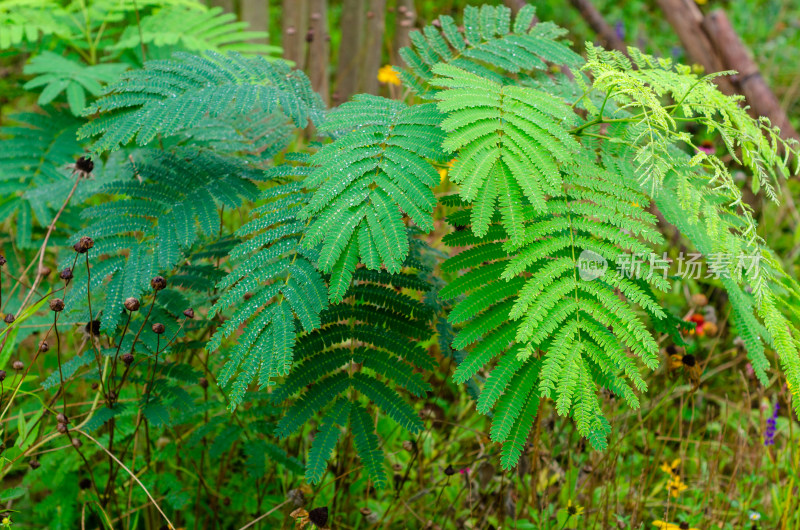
column 227, row 5
column 608, row 37
column 373, row 47
column 319, row 48
column 256, row 14
column 350, row 50
column 751, row 84
column 294, row 31
column 515, row 5
column 686, row 19
column 404, row 23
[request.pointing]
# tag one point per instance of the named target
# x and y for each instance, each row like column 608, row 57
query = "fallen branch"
column 608, row 37
column 749, row 81
column 712, row 42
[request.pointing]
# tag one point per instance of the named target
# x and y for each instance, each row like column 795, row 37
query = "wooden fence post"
column 608, row 37
column 227, row 5
column 350, row 50
column 686, row 19
column 294, row 31
column 515, row 5
column 403, row 25
column 319, row 48
column 373, row 47
column 256, row 14
column 751, row 84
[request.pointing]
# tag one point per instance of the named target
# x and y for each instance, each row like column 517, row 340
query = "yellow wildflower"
column 387, row 74
column 675, row 486
column 574, row 509
column 672, row 526
column 671, row 469
column 701, row 2
column 443, row 172
column 675, row 362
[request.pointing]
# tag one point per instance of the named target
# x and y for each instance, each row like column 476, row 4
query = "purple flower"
column 706, row 146
column 769, row 434
column 619, row 27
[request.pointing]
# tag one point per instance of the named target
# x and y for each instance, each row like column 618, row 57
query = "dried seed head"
column 158, row 283
column 45, row 271
column 689, row 360
column 62, row 418
column 248, row 296
column 2, row 375
column 66, row 274
column 449, row 471
column 85, row 484
column 18, row 365
column 43, row 346
column 83, row 246
column 699, row 299
column 319, row 516
column 62, row 428
column 188, row 313
column 158, row 328
column 9, row 318
column 297, row 497
column 132, row 304
column 92, row 328
column 203, row 382
column 34, row 464
column 127, row 359
column 3, row 260
column 112, row 396
column 84, row 164
column 76, row 442
column 56, row 304
column 95, row 386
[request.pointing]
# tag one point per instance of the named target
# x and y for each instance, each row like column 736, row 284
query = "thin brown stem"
column 37, row 276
